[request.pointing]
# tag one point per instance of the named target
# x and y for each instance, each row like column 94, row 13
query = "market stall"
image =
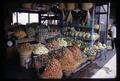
column 63, row 41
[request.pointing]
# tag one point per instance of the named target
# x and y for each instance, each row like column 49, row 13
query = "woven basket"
column 86, row 6
column 61, row 6
column 70, row 6
column 27, row 5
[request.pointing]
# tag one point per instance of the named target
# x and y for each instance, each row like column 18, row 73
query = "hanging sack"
column 86, row 6
column 70, row 7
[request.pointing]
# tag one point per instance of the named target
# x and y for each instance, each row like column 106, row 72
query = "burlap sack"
column 24, row 57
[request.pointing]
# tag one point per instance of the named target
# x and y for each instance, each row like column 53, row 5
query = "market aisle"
column 108, row 70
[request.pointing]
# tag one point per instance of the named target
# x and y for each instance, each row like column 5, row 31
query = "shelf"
column 83, row 27
column 49, row 17
column 30, row 10
column 82, row 66
column 86, row 40
column 87, row 62
column 25, row 40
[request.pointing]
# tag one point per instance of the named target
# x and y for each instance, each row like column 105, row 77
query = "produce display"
column 52, row 70
column 41, row 61
column 92, row 51
column 101, row 46
column 95, row 36
column 79, row 43
column 61, row 42
column 31, row 32
column 53, row 45
column 76, row 54
column 109, row 47
column 89, row 51
column 40, row 49
column 69, row 58
column 58, row 54
column 83, row 35
column 68, row 62
column 20, row 34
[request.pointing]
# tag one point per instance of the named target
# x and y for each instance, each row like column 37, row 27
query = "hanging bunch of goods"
column 62, row 9
column 70, row 7
column 87, row 7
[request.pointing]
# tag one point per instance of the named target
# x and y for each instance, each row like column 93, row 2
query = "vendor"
column 113, row 30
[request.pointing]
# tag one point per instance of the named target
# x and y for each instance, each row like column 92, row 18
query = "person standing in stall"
column 113, row 31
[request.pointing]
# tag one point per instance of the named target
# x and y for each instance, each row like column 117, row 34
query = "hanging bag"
column 70, row 7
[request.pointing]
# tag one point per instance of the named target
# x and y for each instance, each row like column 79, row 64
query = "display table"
column 13, row 70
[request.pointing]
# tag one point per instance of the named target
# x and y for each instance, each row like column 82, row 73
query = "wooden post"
column 108, row 11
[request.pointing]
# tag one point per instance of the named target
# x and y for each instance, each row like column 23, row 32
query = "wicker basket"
column 70, row 6
column 27, row 5
column 86, row 6
column 61, row 6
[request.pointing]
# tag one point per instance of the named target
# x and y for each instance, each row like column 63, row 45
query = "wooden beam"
column 104, row 8
column 101, row 13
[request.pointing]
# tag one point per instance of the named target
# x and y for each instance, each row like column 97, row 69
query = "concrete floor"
column 108, row 70
column 93, row 70
column 95, row 66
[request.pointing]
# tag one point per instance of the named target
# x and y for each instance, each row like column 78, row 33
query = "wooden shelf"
column 86, row 40
column 29, row 10
column 25, row 40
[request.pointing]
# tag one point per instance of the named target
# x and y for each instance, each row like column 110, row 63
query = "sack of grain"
column 24, row 59
column 53, row 70
column 76, row 54
column 68, row 62
column 25, row 51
